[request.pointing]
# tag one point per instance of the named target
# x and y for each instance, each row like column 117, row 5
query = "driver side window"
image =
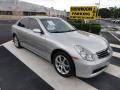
column 34, row 24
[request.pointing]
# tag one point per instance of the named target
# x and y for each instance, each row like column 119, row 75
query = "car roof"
column 41, row 17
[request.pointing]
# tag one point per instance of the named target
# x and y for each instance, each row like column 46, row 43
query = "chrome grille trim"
column 102, row 54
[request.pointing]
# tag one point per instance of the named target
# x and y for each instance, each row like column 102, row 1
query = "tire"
column 64, row 66
column 16, row 42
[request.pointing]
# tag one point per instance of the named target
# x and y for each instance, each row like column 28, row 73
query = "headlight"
column 85, row 54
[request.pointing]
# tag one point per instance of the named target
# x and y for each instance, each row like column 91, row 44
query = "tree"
column 112, row 11
column 117, row 13
column 104, row 13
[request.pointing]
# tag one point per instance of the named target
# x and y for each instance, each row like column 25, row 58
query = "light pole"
column 98, row 7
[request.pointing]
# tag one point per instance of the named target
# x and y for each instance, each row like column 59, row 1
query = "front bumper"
column 88, row 69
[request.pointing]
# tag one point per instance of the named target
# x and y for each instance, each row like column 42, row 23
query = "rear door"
column 23, row 28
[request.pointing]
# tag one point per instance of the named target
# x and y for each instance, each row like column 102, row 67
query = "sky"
column 65, row 4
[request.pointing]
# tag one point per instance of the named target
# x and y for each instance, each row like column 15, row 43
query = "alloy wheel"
column 62, row 64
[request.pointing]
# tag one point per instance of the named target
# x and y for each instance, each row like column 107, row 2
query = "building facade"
column 20, row 8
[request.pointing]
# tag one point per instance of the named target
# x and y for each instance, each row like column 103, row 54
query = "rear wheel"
column 16, row 42
column 63, row 64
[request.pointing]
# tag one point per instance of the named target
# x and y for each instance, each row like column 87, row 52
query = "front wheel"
column 16, row 42
column 63, row 64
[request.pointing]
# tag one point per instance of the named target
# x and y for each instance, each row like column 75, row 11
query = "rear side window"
column 24, row 23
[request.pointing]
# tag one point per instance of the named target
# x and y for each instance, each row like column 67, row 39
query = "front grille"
column 103, row 53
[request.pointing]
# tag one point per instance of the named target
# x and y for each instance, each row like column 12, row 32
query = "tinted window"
column 34, row 24
column 24, row 23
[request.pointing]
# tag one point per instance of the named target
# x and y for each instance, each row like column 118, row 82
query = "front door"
column 35, row 42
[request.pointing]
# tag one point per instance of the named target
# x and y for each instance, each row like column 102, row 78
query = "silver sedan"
column 71, row 51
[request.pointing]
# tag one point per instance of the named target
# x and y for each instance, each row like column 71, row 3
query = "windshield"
column 57, row 25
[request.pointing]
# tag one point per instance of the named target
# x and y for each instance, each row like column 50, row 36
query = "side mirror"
column 37, row 30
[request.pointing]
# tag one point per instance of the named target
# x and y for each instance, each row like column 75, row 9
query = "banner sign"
column 83, row 12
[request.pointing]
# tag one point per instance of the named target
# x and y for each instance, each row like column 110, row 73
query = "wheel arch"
column 60, row 50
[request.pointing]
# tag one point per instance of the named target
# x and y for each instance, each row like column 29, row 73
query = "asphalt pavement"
column 5, row 31
column 110, row 38
column 15, row 75
column 110, row 31
column 107, row 23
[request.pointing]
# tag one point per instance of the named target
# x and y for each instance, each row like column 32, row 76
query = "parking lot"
column 22, row 70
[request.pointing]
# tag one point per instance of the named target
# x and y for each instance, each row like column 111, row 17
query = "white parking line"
column 114, row 36
column 113, row 70
column 46, row 71
column 115, row 45
column 116, row 54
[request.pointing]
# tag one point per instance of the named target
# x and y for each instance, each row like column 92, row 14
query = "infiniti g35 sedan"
column 71, row 51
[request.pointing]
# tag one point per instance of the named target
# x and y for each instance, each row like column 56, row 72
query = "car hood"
column 91, row 42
